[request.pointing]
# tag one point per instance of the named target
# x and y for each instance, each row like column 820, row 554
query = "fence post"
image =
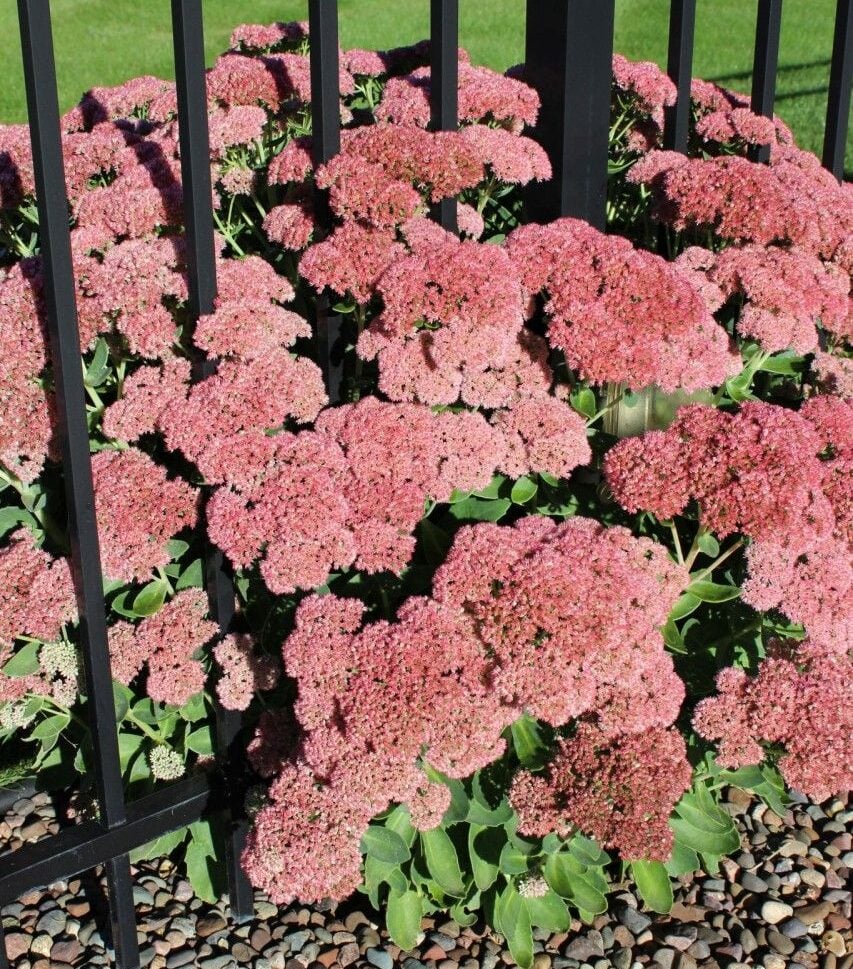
column 765, row 62
column 443, row 86
column 568, row 59
column 840, row 77
column 188, row 37
column 682, row 26
column 61, row 311
column 325, row 142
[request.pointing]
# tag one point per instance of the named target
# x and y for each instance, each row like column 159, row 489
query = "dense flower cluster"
column 757, row 471
column 244, row 672
column 166, row 643
column 637, row 779
column 139, row 509
column 801, row 698
column 792, row 201
column 508, row 631
column 620, row 314
column 36, row 600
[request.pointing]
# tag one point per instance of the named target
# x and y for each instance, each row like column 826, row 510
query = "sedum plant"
column 492, row 657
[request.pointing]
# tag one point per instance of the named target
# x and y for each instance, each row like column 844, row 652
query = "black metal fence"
column 569, row 47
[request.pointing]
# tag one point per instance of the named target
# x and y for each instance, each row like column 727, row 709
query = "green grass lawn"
column 102, row 42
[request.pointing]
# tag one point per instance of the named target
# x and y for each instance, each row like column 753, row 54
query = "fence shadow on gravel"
column 569, row 44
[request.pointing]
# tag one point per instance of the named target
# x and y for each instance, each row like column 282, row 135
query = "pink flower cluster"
column 167, row 644
column 802, row 699
column 244, row 671
column 25, row 410
column 812, row 582
column 758, row 472
column 139, row 509
column 442, row 683
column 647, row 85
column 620, row 314
column 724, row 118
column 452, row 325
column 792, row 201
column 787, row 294
column 353, row 491
column 621, row 790
column 483, row 96
column 36, row 599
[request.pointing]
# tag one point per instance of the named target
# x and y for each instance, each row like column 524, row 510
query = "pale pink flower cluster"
column 801, row 698
column 258, row 37
column 398, row 456
column 834, row 373
column 452, row 325
column 350, row 261
column 36, row 599
column 757, row 471
column 139, row 510
column 273, row 80
column 621, row 790
column 290, row 225
column 542, row 434
column 167, row 644
column 128, row 288
column 620, row 314
column 724, row 117
column 484, row 95
column 812, row 582
column 792, row 201
column 508, row 631
column 244, row 671
column 349, row 493
column 238, row 125
column 512, row 159
column 786, row 295
column 26, row 430
column 649, row 86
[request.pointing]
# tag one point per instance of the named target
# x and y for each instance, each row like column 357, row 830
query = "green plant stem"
column 679, row 555
column 693, row 551
column 606, row 409
column 704, row 573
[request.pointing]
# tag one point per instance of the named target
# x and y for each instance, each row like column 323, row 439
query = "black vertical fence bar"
column 4, row 961
column 568, row 59
column 840, row 78
column 188, row 37
column 444, row 82
column 682, row 27
column 61, row 310
column 325, row 142
column 767, row 29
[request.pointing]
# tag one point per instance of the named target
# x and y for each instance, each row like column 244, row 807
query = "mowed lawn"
column 107, row 41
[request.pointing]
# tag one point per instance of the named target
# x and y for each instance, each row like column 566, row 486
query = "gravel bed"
column 783, row 903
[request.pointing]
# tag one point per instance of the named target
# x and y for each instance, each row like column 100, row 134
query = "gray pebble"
column 793, row 928
column 634, row 921
column 297, row 940
column 752, row 883
column 141, row 896
column 218, row 962
column 443, row 940
column 380, row 958
column 774, row 912
column 183, row 957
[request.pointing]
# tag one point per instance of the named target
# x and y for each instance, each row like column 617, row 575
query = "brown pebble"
column 354, row 919
column 328, row 958
column 68, row 950
column 207, row 926
column 687, row 913
column 17, row 944
column 809, row 914
column 434, row 952
column 349, row 954
column 833, row 942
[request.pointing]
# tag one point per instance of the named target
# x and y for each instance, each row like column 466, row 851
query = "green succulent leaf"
column 712, row 591
column 653, row 884
column 403, row 917
column 443, row 861
column 384, row 845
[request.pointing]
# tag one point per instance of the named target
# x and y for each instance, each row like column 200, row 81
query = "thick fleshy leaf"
column 442, row 861
column 653, row 884
column 403, row 918
column 384, row 845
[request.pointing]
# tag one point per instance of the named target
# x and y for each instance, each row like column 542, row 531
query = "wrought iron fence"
column 569, row 46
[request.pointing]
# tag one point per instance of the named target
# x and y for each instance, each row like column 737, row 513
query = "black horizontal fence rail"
column 569, row 46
